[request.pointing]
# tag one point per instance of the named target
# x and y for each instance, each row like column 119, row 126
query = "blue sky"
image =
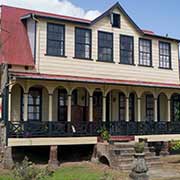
column 160, row 16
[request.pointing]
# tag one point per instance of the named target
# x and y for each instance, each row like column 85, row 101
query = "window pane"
column 105, row 46
column 126, row 49
column 164, row 55
column 116, row 20
column 34, row 104
column 149, row 107
column 122, row 107
column 55, row 39
column 83, row 43
column 145, row 52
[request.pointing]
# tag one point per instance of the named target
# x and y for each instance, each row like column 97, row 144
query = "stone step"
column 124, row 145
column 154, row 164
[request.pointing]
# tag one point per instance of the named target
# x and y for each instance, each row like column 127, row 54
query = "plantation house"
column 63, row 78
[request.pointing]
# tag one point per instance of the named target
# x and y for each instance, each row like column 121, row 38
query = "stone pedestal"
column 94, row 157
column 140, row 169
column 8, row 162
column 53, row 157
column 165, row 149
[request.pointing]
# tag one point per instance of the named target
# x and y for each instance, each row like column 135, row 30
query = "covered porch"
column 43, row 108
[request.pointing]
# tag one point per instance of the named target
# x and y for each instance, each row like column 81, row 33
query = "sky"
column 160, row 16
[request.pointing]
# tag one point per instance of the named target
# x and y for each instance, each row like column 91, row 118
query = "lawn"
column 80, row 171
column 169, row 170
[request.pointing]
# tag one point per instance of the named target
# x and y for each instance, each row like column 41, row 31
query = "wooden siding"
column 70, row 66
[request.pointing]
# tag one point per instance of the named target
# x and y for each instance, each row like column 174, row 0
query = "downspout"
column 38, row 47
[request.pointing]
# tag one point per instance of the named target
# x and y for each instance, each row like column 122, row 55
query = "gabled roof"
column 109, row 11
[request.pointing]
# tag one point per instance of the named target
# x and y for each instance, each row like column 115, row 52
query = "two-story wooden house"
column 67, row 77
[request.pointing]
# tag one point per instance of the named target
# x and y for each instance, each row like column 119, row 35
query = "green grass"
column 5, row 177
column 76, row 173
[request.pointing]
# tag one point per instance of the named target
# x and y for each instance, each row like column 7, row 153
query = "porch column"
column 9, row 106
column 139, row 109
column 91, row 108
column 104, row 109
column 69, row 108
column 25, row 96
column 155, row 110
column 50, row 108
column 169, row 110
column 127, row 109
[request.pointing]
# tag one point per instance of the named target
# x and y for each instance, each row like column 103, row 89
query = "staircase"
column 120, row 155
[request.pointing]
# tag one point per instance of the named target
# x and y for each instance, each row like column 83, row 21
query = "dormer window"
column 115, row 20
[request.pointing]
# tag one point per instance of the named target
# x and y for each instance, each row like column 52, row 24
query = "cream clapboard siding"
column 70, row 66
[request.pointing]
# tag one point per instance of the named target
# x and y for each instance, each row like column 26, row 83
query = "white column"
column 69, row 109
column 155, row 109
column 104, row 109
column 127, row 109
column 50, row 108
column 139, row 109
column 169, row 110
column 25, row 96
column 91, row 108
column 9, row 106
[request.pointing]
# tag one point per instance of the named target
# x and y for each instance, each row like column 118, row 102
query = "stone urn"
column 139, row 169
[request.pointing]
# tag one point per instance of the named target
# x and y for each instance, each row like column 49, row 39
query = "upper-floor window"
column 105, row 46
column 83, row 43
column 145, row 52
column 164, row 55
column 55, row 39
column 126, row 49
column 115, row 20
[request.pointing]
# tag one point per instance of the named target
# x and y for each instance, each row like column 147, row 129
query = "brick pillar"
column 53, row 157
column 7, row 159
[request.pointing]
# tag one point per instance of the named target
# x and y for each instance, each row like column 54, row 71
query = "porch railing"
column 70, row 129
column 51, row 129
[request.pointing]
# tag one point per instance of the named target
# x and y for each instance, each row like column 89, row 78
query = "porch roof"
column 38, row 76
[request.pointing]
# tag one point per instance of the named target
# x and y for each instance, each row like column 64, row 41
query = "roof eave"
column 162, row 37
column 53, row 18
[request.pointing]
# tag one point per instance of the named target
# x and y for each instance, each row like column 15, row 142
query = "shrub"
column 139, row 147
column 27, row 171
column 175, row 145
column 104, row 133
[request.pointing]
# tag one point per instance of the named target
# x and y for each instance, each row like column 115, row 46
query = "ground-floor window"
column 175, row 107
column 149, row 107
column 97, row 106
column 122, row 107
column 62, row 105
column 34, row 104
column 131, row 107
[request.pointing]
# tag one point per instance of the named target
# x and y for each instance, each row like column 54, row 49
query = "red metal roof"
column 92, row 80
column 16, row 48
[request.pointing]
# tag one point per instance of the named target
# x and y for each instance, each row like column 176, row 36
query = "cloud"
column 64, row 7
